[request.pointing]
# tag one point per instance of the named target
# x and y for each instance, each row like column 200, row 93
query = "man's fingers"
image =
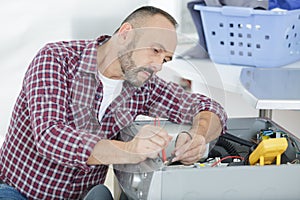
column 190, row 151
column 149, row 131
column 193, row 155
column 150, row 141
column 181, row 139
column 162, row 142
column 155, row 134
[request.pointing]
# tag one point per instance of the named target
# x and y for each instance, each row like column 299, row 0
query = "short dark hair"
column 137, row 16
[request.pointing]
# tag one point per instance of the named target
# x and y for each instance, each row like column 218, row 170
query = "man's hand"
column 190, row 147
column 189, row 150
column 148, row 143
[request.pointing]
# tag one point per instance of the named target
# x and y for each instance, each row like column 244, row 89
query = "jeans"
column 9, row 193
column 98, row 192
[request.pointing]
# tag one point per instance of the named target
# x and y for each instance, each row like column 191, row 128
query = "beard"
column 131, row 75
column 131, row 70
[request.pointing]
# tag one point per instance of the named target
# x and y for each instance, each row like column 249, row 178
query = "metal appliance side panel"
column 245, row 182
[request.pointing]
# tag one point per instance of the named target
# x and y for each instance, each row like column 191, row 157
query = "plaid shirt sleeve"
column 46, row 90
column 171, row 101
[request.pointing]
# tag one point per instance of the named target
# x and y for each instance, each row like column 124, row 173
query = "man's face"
column 145, row 54
column 136, row 75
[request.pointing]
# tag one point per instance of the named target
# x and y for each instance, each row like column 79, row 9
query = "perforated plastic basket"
column 244, row 36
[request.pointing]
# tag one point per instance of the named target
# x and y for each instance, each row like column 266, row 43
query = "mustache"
column 131, row 75
column 147, row 69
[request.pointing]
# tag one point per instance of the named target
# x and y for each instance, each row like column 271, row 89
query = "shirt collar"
column 88, row 62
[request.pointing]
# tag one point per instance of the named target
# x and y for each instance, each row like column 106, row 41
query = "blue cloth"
column 98, row 192
column 284, row 4
column 10, row 193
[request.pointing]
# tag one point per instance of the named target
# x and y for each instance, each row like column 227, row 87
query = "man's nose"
column 157, row 65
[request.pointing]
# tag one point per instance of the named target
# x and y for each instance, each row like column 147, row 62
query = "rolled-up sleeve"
column 171, row 101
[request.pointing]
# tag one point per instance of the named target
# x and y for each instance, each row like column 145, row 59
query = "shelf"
column 272, row 88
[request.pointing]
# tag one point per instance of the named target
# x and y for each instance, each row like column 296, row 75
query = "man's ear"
column 125, row 33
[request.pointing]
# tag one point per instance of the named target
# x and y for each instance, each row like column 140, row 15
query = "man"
column 77, row 96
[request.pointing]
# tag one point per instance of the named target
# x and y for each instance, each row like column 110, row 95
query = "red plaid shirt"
column 54, row 124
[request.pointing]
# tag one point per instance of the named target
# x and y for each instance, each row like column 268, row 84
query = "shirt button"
column 97, row 96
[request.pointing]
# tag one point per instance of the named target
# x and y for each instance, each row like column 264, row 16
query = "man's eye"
column 155, row 50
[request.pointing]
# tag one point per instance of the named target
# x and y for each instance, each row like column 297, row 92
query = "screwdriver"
column 163, row 152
